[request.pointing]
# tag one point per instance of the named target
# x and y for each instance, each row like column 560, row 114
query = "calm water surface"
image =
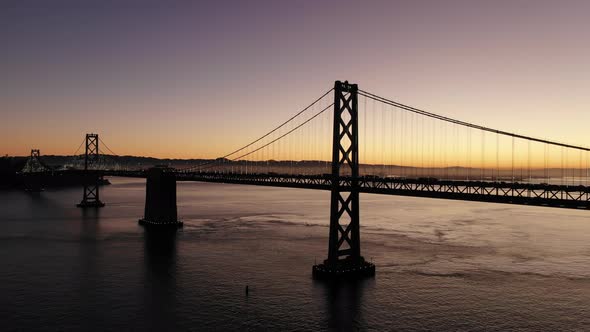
column 441, row 265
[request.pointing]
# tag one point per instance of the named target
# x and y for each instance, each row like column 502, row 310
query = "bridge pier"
column 344, row 251
column 160, row 199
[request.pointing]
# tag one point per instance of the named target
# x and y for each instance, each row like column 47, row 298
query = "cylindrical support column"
column 160, row 198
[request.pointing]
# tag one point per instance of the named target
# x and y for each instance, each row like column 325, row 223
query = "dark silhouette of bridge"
column 414, row 153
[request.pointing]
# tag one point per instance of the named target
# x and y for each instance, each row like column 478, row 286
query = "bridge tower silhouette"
column 344, row 251
column 35, row 154
column 34, row 172
column 35, row 164
column 91, row 193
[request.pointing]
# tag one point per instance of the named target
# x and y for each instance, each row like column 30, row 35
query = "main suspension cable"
column 463, row 123
column 263, row 136
column 278, row 138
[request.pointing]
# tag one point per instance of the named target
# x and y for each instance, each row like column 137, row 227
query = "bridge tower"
column 33, row 172
column 344, row 251
column 91, row 194
column 34, row 163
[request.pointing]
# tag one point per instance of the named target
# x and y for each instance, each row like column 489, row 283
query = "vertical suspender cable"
column 383, row 139
column 512, row 159
column 483, row 147
column 497, row 157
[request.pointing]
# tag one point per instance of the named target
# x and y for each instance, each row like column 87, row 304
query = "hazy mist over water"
column 441, row 264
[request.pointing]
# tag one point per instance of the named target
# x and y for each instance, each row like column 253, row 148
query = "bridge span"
column 350, row 141
column 559, row 196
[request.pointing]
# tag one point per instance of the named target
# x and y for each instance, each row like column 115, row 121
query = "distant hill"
column 130, row 161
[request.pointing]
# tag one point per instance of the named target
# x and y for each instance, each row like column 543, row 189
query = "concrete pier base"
column 90, row 204
column 348, row 268
column 147, row 223
column 160, row 199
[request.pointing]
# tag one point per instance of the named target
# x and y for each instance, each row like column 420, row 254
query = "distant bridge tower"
column 91, row 194
column 35, row 154
column 34, row 163
column 34, row 172
column 344, row 251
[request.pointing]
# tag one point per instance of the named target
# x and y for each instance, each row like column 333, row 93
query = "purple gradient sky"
column 174, row 79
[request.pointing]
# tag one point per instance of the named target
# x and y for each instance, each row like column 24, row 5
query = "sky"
column 195, row 79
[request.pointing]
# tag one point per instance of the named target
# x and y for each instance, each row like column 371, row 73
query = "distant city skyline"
column 196, row 80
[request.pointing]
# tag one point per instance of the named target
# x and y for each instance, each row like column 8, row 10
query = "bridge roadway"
column 562, row 196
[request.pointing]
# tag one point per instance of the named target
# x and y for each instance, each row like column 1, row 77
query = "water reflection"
column 90, row 255
column 160, row 271
column 344, row 301
column 39, row 204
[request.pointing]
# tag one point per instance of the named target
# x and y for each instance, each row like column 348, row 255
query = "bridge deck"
column 577, row 197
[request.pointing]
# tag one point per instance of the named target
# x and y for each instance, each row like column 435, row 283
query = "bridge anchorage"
column 160, row 199
column 344, row 251
column 91, row 193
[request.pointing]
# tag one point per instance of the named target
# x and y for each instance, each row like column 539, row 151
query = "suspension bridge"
column 350, row 141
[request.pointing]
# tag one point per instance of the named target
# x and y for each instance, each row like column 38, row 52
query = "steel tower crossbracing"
column 91, row 193
column 91, row 154
column 344, row 252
